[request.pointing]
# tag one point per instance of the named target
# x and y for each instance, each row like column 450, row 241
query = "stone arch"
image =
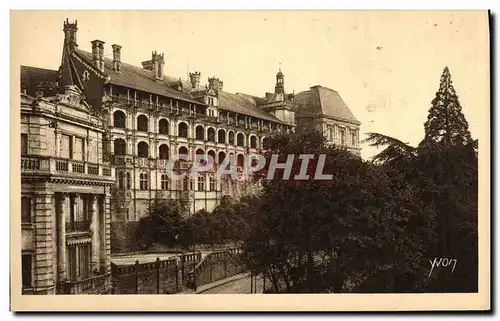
column 200, row 132
column 163, row 151
column 143, row 149
column 142, row 123
column 211, row 134
column 182, row 129
column 163, row 126
column 221, row 136
column 119, row 119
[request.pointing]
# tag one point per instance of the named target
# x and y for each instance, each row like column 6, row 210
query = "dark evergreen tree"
column 446, row 124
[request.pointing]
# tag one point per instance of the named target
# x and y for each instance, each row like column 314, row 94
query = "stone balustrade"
column 53, row 165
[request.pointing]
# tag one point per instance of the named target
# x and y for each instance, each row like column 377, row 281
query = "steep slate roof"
column 323, row 102
column 242, row 104
column 31, row 77
column 143, row 79
column 139, row 78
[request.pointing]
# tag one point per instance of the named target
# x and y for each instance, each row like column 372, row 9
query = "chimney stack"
column 98, row 54
column 117, row 62
column 215, row 83
column 70, row 29
column 194, row 78
column 157, row 61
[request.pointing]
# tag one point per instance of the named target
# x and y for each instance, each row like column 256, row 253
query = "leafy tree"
column 319, row 236
column 163, row 225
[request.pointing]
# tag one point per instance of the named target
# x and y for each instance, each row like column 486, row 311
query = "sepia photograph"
column 170, row 154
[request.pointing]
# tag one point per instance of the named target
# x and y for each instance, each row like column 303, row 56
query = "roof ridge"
column 39, row 68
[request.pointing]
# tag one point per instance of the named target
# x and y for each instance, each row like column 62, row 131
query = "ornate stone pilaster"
column 43, row 281
column 94, row 216
column 75, row 203
column 62, row 212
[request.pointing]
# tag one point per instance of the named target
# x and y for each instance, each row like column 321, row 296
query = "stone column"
column 94, row 216
column 76, row 208
column 61, row 236
column 105, row 232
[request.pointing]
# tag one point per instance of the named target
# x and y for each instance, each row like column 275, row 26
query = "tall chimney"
column 117, row 62
column 215, row 83
column 194, row 78
column 70, row 30
column 157, row 61
column 98, row 54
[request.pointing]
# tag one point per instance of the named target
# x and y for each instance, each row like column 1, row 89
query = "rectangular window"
column 120, row 180
column 79, row 149
column 332, row 134
column 72, row 263
column 26, row 270
column 79, row 262
column 65, row 146
column 26, row 209
column 201, row 184
column 211, row 184
column 92, row 154
column 24, row 144
column 342, row 136
column 164, row 182
column 353, row 138
column 143, row 181
column 84, row 261
column 128, row 180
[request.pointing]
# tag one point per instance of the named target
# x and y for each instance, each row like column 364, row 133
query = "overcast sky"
column 385, row 65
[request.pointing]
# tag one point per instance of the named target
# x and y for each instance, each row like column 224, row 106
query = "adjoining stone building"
column 65, row 190
column 324, row 109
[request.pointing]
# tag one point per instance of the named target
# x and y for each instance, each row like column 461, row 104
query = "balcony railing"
column 54, row 165
column 78, row 226
column 78, row 167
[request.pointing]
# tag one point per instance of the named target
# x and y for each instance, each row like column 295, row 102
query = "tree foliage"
column 376, row 225
column 163, row 225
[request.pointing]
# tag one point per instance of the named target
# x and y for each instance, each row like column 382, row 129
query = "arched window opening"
column 231, row 138
column 211, row 134
column 142, row 123
column 119, row 119
column 143, row 150
column 240, row 139
column 163, row 126
column 221, row 157
column 221, row 136
column 164, row 151
column 183, row 153
column 200, row 132
column 183, row 130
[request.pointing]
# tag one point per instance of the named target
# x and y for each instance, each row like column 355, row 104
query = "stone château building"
column 149, row 116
